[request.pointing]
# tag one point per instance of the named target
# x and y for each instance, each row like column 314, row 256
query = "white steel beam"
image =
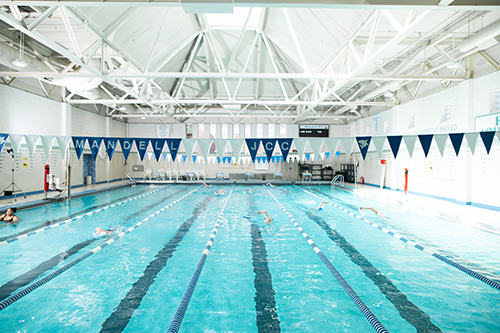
column 225, row 102
column 236, row 48
column 71, row 33
column 296, row 41
column 145, row 69
column 273, row 61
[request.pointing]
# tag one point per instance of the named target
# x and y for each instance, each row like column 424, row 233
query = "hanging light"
column 453, row 64
column 20, row 62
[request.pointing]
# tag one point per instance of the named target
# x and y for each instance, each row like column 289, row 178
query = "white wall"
column 465, row 179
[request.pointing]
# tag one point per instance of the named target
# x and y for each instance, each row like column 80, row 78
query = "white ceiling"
column 301, row 63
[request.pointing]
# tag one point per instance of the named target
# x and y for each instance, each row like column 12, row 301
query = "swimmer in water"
column 269, row 184
column 249, row 192
column 206, row 184
column 220, row 193
column 101, row 232
column 268, row 218
column 9, row 216
column 321, row 204
column 374, row 210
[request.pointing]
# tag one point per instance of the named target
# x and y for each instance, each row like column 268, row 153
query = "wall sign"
column 487, row 123
column 313, row 131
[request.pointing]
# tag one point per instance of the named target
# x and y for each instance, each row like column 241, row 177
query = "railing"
column 340, row 178
column 130, row 178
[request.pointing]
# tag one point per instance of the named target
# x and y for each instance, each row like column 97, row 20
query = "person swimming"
column 249, row 191
column 268, row 218
column 206, row 184
column 321, row 204
column 218, row 194
column 9, row 216
column 269, row 184
column 99, row 232
column 374, row 210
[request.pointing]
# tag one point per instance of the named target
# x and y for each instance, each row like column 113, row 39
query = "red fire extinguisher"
column 406, row 181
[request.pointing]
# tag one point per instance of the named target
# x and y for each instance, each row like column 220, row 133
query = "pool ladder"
column 130, row 178
column 340, row 179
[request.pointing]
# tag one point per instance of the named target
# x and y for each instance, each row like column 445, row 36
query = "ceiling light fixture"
column 121, row 108
column 143, row 117
column 20, row 62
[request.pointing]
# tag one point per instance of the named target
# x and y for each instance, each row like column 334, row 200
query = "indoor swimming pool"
column 183, row 259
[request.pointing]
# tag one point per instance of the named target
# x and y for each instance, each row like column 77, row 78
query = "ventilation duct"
column 485, row 38
column 8, row 55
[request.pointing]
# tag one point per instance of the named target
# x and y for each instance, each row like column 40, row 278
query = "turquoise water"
column 258, row 277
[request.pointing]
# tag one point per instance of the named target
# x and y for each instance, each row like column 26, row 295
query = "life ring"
column 361, row 180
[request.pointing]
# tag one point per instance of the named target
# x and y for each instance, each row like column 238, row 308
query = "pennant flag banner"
column 364, row 144
column 15, row 141
column 63, row 142
column 141, row 145
column 348, row 144
column 173, row 147
column 425, row 141
column 487, row 138
column 308, row 156
column 472, row 141
column 164, row 156
column 126, row 144
column 253, row 147
column 188, row 146
column 157, row 147
column 337, row 153
column 300, row 144
column 410, row 143
column 316, row 145
column 184, row 157
column 31, row 141
column 269, row 145
column 441, row 142
column 95, row 144
column 3, row 140
column 379, row 142
column 237, row 144
column 285, row 145
column 220, row 145
column 456, row 141
column 332, row 145
column 194, row 159
column 204, row 145
column 395, row 143
column 110, row 145
column 79, row 144
column 327, row 154
column 226, row 159
column 47, row 142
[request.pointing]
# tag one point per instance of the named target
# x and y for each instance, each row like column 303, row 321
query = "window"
column 283, row 131
column 248, row 131
column 270, row 131
column 189, row 131
column 446, row 113
column 236, row 131
column 224, row 131
column 201, row 133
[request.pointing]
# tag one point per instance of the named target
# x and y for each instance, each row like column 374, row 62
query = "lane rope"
column 175, row 324
column 464, row 269
column 372, row 319
column 49, row 277
column 55, row 225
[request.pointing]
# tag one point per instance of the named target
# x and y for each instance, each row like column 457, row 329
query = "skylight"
column 236, row 20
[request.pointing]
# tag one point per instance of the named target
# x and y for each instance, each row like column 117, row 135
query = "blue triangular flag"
column 142, row 146
column 157, row 147
column 110, row 145
column 425, row 141
column 194, row 158
column 337, row 153
column 285, row 145
column 3, row 139
column 456, row 141
column 269, row 147
column 79, row 144
column 184, row 157
column 253, row 147
column 173, row 147
column 308, row 156
column 126, row 144
column 327, row 154
column 395, row 142
column 94, row 144
column 487, row 138
column 363, row 143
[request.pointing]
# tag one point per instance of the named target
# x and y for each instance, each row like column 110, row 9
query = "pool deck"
column 474, row 217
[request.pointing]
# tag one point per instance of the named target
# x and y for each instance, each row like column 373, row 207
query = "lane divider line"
column 464, row 269
column 36, row 232
column 372, row 319
column 49, row 277
column 175, row 324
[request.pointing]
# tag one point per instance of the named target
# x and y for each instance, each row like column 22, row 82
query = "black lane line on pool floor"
column 265, row 304
column 8, row 288
column 408, row 310
column 48, row 223
column 120, row 318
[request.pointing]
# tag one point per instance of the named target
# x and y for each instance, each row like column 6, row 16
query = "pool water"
column 257, row 277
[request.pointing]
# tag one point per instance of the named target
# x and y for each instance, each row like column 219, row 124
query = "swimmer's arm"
column 15, row 219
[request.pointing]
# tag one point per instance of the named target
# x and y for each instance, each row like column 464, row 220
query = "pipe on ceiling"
column 482, row 39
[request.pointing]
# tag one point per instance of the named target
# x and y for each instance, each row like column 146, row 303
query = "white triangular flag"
column 379, row 142
column 332, row 145
column 31, row 141
column 237, row 144
column 63, row 142
column 316, row 144
column 410, row 143
column 348, row 144
column 220, row 145
column 47, row 142
column 472, row 140
column 204, row 145
column 300, row 144
column 441, row 142
column 189, row 146
column 15, row 141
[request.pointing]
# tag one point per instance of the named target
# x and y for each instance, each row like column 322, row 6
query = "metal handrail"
column 340, row 178
column 132, row 179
